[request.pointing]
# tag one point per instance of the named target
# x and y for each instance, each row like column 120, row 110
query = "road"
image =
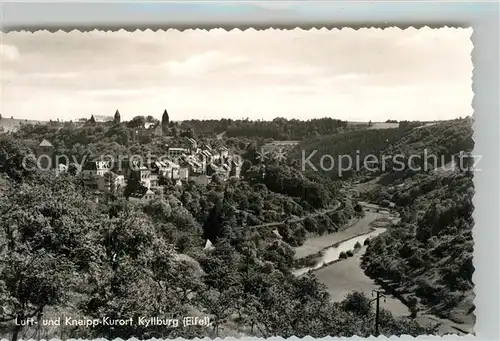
column 338, row 206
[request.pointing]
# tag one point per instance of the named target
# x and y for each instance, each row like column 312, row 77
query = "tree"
column 357, row 302
column 13, row 161
column 133, row 185
column 43, row 236
column 137, row 122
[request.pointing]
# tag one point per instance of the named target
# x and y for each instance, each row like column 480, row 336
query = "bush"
column 349, row 253
column 357, row 245
column 357, row 303
column 342, row 255
column 367, row 241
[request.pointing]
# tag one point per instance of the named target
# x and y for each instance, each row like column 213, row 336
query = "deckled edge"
column 228, row 28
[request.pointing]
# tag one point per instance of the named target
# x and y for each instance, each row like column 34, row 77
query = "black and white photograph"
column 242, row 183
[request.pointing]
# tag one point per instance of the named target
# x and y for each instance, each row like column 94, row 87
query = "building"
column 158, row 131
column 154, row 180
column 193, row 145
column 175, row 153
column 143, row 174
column 104, row 182
column 200, row 179
column 142, row 194
column 45, row 155
column 117, row 117
column 274, row 146
column 195, row 167
column 93, row 170
column 95, row 119
column 223, row 152
column 183, row 172
column 235, row 170
column 165, row 119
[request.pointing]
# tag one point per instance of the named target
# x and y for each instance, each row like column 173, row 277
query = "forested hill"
column 427, row 258
column 429, row 254
column 442, row 139
column 277, row 129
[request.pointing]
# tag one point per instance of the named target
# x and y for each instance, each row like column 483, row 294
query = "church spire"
column 165, row 120
column 117, row 117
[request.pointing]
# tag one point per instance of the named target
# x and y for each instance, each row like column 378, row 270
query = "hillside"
column 13, row 124
column 429, row 254
column 387, row 146
column 427, row 258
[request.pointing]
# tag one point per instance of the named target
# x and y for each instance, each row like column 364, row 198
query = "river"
column 332, row 253
column 345, row 276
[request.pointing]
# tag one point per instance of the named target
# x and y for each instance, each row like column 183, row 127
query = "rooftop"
column 45, row 143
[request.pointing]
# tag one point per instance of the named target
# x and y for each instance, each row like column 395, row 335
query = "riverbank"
column 315, row 245
column 344, row 276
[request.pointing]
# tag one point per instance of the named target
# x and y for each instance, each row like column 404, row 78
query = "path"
column 310, row 215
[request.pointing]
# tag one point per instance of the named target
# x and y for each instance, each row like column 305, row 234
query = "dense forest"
column 277, row 129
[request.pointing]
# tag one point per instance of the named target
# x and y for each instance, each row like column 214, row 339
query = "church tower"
column 117, row 117
column 45, row 155
column 165, row 120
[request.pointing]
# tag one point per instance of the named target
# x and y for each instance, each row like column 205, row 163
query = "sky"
column 368, row 74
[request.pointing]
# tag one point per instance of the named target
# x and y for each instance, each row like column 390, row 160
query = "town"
column 191, row 161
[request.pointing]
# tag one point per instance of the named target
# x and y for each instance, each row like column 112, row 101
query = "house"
column 174, row 169
column 154, row 180
column 104, row 182
column 235, row 168
column 222, row 171
column 45, row 155
column 193, row 145
column 92, row 170
column 202, row 179
column 175, row 153
column 143, row 175
column 161, row 168
column 223, row 152
column 195, row 167
column 142, row 194
column 278, row 146
column 184, row 172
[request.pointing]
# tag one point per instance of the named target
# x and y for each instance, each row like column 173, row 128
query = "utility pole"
column 379, row 295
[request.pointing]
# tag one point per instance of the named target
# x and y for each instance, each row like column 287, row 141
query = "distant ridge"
column 13, row 124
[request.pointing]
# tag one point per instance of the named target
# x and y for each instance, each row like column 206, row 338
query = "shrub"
column 357, row 245
column 357, row 303
column 342, row 255
column 367, row 241
column 349, row 253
